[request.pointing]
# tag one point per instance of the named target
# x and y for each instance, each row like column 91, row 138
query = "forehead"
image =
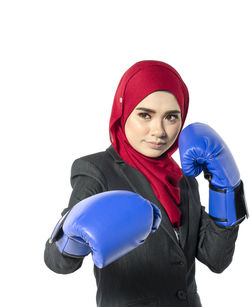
column 160, row 100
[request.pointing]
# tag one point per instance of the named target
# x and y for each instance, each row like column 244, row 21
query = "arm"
column 202, row 149
column 99, row 224
column 216, row 243
column 83, row 187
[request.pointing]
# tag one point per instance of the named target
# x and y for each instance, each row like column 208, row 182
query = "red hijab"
column 163, row 173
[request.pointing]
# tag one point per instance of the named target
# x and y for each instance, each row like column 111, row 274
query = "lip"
column 156, row 145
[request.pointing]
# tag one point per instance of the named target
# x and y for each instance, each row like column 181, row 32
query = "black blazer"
column 161, row 271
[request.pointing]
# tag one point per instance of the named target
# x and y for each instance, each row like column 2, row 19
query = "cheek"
column 174, row 131
column 134, row 127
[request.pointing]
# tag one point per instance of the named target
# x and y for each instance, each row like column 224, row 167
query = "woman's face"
column 154, row 124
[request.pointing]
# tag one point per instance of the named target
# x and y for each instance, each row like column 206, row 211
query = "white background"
column 61, row 62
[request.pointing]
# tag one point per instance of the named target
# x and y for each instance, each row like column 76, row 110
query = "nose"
column 158, row 130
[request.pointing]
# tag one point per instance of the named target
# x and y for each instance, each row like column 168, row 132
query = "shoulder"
column 191, row 186
column 92, row 165
column 93, row 161
column 80, row 165
column 188, row 182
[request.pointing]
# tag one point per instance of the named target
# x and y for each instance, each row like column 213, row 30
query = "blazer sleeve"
column 216, row 243
column 86, row 180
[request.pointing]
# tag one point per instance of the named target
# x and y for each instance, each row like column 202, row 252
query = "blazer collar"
column 142, row 186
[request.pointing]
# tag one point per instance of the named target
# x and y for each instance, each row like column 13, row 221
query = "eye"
column 144, row 115
column 172, row 117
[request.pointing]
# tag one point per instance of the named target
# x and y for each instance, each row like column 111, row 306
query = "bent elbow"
column 219, row 268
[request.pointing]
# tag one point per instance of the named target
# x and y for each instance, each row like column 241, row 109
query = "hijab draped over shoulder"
column 163, row 173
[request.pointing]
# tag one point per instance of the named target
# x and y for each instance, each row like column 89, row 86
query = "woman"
column 148, row 113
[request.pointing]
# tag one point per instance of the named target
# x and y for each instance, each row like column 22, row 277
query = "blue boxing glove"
column 202, row 149
column 109, row 224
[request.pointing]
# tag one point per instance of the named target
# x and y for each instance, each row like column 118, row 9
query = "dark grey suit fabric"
column 161, row 271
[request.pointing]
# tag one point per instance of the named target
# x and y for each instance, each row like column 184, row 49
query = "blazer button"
column 182, row 295
column 181, row 263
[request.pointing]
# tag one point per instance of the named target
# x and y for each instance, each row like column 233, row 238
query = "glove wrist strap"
column 227, row 207
column 72, row 248
column 66, row 245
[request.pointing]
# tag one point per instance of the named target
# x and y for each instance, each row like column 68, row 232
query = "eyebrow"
column 153, row 111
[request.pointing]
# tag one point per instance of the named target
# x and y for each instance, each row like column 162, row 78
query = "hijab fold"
column 163, row 172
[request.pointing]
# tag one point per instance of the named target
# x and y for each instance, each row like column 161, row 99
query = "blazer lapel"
column 142, row 186
column 184, row 207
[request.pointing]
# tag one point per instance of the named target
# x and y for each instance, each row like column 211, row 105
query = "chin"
column 154, row 154
column 151, row 153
